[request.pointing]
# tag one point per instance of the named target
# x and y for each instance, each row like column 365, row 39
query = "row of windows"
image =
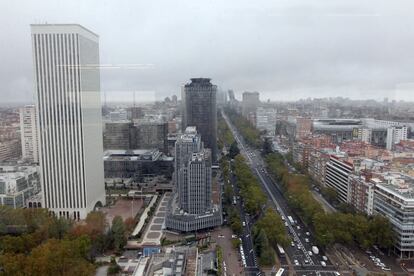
column 59, row 117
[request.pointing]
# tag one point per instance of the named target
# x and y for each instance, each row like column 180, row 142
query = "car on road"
column 307, row 234
column 323, row 263
column 296, row 262
column 292, row 244
column 325, row 258
column 310, row 253
column 221, row 236
column 298, row 227
column 306, row 240
column 234, row 236
column 386, row 268
column 244, row 224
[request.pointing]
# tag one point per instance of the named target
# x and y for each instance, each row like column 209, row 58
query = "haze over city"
column 286, row 50
column 207, row 138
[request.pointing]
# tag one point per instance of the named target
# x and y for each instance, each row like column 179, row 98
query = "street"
column 300, row 252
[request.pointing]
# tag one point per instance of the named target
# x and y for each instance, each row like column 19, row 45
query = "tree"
column 58, row 227
column 267, row 146
column 234, row 150
column 263, row 249
column 272, row 225
column 381, row 231
column 130, row 224
column 330, row 194
column 118, row 231
column 58, row 257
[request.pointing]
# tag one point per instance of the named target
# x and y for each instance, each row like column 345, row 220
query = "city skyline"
column 358, row 50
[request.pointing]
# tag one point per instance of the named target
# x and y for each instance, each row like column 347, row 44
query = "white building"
column 28, row 132
column 395, row 134
column 266, row 119
column 67, row 84
column 17, row 185
column 394, row 199
column 337, row 176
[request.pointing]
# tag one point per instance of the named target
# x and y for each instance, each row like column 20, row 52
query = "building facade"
column 192, row 207
column 67, row 84
column 17, row 185
column 137, row 164
column 337, row 176
column 396, row 134
column 266, row 119
column 152, row 133
column 200, row 110
column 250, row 103
column 361, row 193
column 10, row 150
column 394, row 199
column 121, row 135
column 28, row 132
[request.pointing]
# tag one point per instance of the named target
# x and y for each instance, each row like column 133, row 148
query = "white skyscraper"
column 28, row 132
column 67, row 84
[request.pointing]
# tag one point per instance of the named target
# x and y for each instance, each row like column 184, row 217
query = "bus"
column 280, row 272
column 291, row 220
column 281, row 251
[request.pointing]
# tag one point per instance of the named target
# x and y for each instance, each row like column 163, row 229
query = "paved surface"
column 123, row 207
column 154, row 230
column 231, row 256
column 102, row 270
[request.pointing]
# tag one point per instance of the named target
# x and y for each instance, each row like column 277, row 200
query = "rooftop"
column 63, row 28
column 133, row 155
column 397, row 183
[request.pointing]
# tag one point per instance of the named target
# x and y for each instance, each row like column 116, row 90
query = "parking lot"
column 231, row 256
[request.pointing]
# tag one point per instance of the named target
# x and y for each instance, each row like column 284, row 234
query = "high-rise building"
column 67, row 84
column 193, row 207
column 396, row 134
column 250, row 102
column 200, row 110
column 266, row 119
column 28, row 132
column 185, row 146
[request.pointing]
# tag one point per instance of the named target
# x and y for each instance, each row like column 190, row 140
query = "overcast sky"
column 285, row 49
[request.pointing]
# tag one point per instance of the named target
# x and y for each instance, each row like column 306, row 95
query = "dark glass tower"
column 200, row 110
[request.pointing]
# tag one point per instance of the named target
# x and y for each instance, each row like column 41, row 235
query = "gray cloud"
column 285, row 49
